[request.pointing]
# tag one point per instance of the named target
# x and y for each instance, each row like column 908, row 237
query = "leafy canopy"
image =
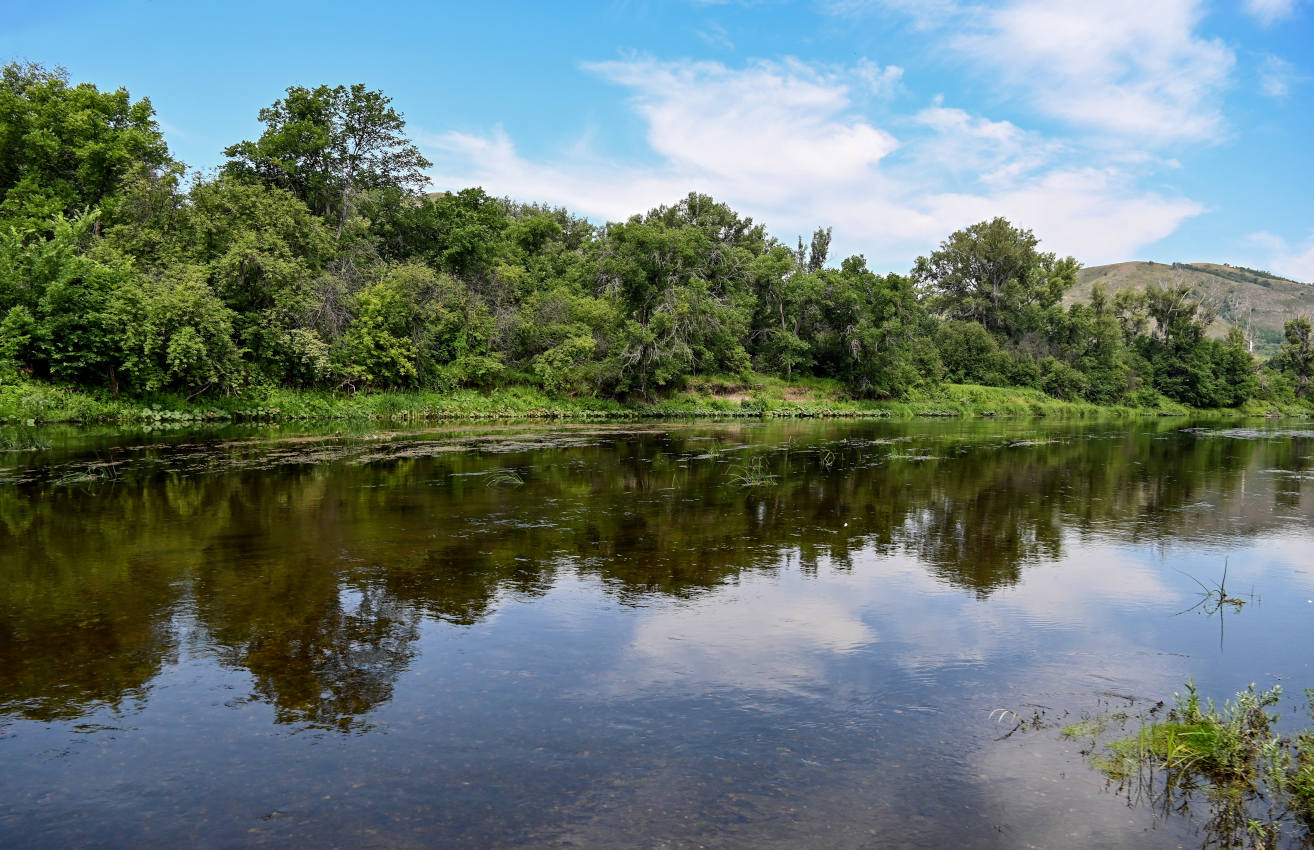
column 326, row 144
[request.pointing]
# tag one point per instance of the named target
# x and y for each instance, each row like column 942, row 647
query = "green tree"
column 992, row 273
column 682, row 278
column 1182, row 357
column 969, row 353
column 65, row 149
column 1295, row 358
column 174, row 333
column 462, row 233
column 414, row 327
column 54, row 292
column 263, row 253
column 877, row 336
column 325, row 145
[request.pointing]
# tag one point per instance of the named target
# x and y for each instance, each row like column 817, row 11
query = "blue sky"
column 1123, row 129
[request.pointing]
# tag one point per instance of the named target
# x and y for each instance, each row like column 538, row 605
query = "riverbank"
column 36, row 402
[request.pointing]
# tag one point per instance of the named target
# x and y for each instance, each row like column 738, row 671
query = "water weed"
column 1250, row 784
column 753, row 474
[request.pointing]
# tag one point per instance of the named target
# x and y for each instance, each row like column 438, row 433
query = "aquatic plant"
column 504, row 478
column 1214, row 597
column 1252, row 781
column 23, row 441
column 753, row 474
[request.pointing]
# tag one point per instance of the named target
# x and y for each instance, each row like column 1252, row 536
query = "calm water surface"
column 726, row 635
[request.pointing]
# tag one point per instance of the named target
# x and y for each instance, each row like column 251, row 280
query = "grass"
column 31, row 402
column 753, row 474
column 1253, row 782
column 1213, row 597
column 505, row 478
column 23, row 441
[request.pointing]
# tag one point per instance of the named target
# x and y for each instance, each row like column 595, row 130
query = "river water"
column 662, row 635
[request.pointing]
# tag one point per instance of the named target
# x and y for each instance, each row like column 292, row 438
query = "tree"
column 1296, row 357
column 457, row 232
column 53, row 294
column 65, row 149
column 174, row 333
column 416, row 327
column 877, row 335
column 992, row 273
column 326, row 144
column 682, row 278
column 1183, row 359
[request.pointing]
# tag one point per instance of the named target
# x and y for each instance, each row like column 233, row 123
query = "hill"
column 1249, row 298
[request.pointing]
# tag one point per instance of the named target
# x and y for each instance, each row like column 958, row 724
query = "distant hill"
column 1244, row 297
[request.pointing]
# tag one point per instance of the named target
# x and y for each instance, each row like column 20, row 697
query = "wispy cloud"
column 1134, row 70
column 1131, row 69
column 1293, row 261
column 1276, row 77
column 714, row 35
column 768, row 119
column 1268, row 12
column 792, row 144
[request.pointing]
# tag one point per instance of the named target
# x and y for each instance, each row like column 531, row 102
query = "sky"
column 1166, row 130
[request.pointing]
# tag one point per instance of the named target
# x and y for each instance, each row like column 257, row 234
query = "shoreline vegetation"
column 32, row 402
column 1253, row 782
column 312, row 277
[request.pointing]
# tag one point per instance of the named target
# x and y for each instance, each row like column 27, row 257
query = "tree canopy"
column 326, row 144
column 313, row 259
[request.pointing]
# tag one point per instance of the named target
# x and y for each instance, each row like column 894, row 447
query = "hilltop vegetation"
column 312, row 261
column 1257, row 302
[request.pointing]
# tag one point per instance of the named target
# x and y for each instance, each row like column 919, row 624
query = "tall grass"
column 753, row 396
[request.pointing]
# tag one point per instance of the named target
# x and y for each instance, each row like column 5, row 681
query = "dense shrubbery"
column 311, row 260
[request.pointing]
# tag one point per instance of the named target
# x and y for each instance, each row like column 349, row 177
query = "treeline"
column 312, row 259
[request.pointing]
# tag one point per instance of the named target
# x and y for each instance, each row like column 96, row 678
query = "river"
column 739, row 634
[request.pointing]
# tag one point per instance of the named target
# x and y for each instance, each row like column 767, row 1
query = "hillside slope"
column 1244, row 297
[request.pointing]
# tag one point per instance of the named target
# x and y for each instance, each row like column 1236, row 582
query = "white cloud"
column 1293, row 261
column 1267, row 12
column 1131, row 69
column 1276, row 77
column 715, row 35
column 996, row 151
column 791, row 145
column 752, row 124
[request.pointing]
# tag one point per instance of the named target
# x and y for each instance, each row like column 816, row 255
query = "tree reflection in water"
column 316, row 577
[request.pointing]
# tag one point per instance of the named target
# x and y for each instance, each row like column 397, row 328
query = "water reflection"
column 316, row 577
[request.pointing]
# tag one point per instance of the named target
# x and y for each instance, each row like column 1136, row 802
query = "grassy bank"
column 36, row 402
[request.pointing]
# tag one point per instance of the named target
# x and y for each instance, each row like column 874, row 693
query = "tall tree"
column 992, row 273
column 1296, row 357
column 327, row 144
column 65, row 149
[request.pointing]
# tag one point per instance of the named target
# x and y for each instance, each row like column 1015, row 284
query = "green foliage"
column 324, row 145
column 261, row 251
column 681, row 279
column 1295, row 359
column 310, row 261
column 65, row 149
column 992, row 273
column 54, row 292
column 174, row 333
column 414, row 327
column 461, row 233
column 969, row 353
column 876, row 338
